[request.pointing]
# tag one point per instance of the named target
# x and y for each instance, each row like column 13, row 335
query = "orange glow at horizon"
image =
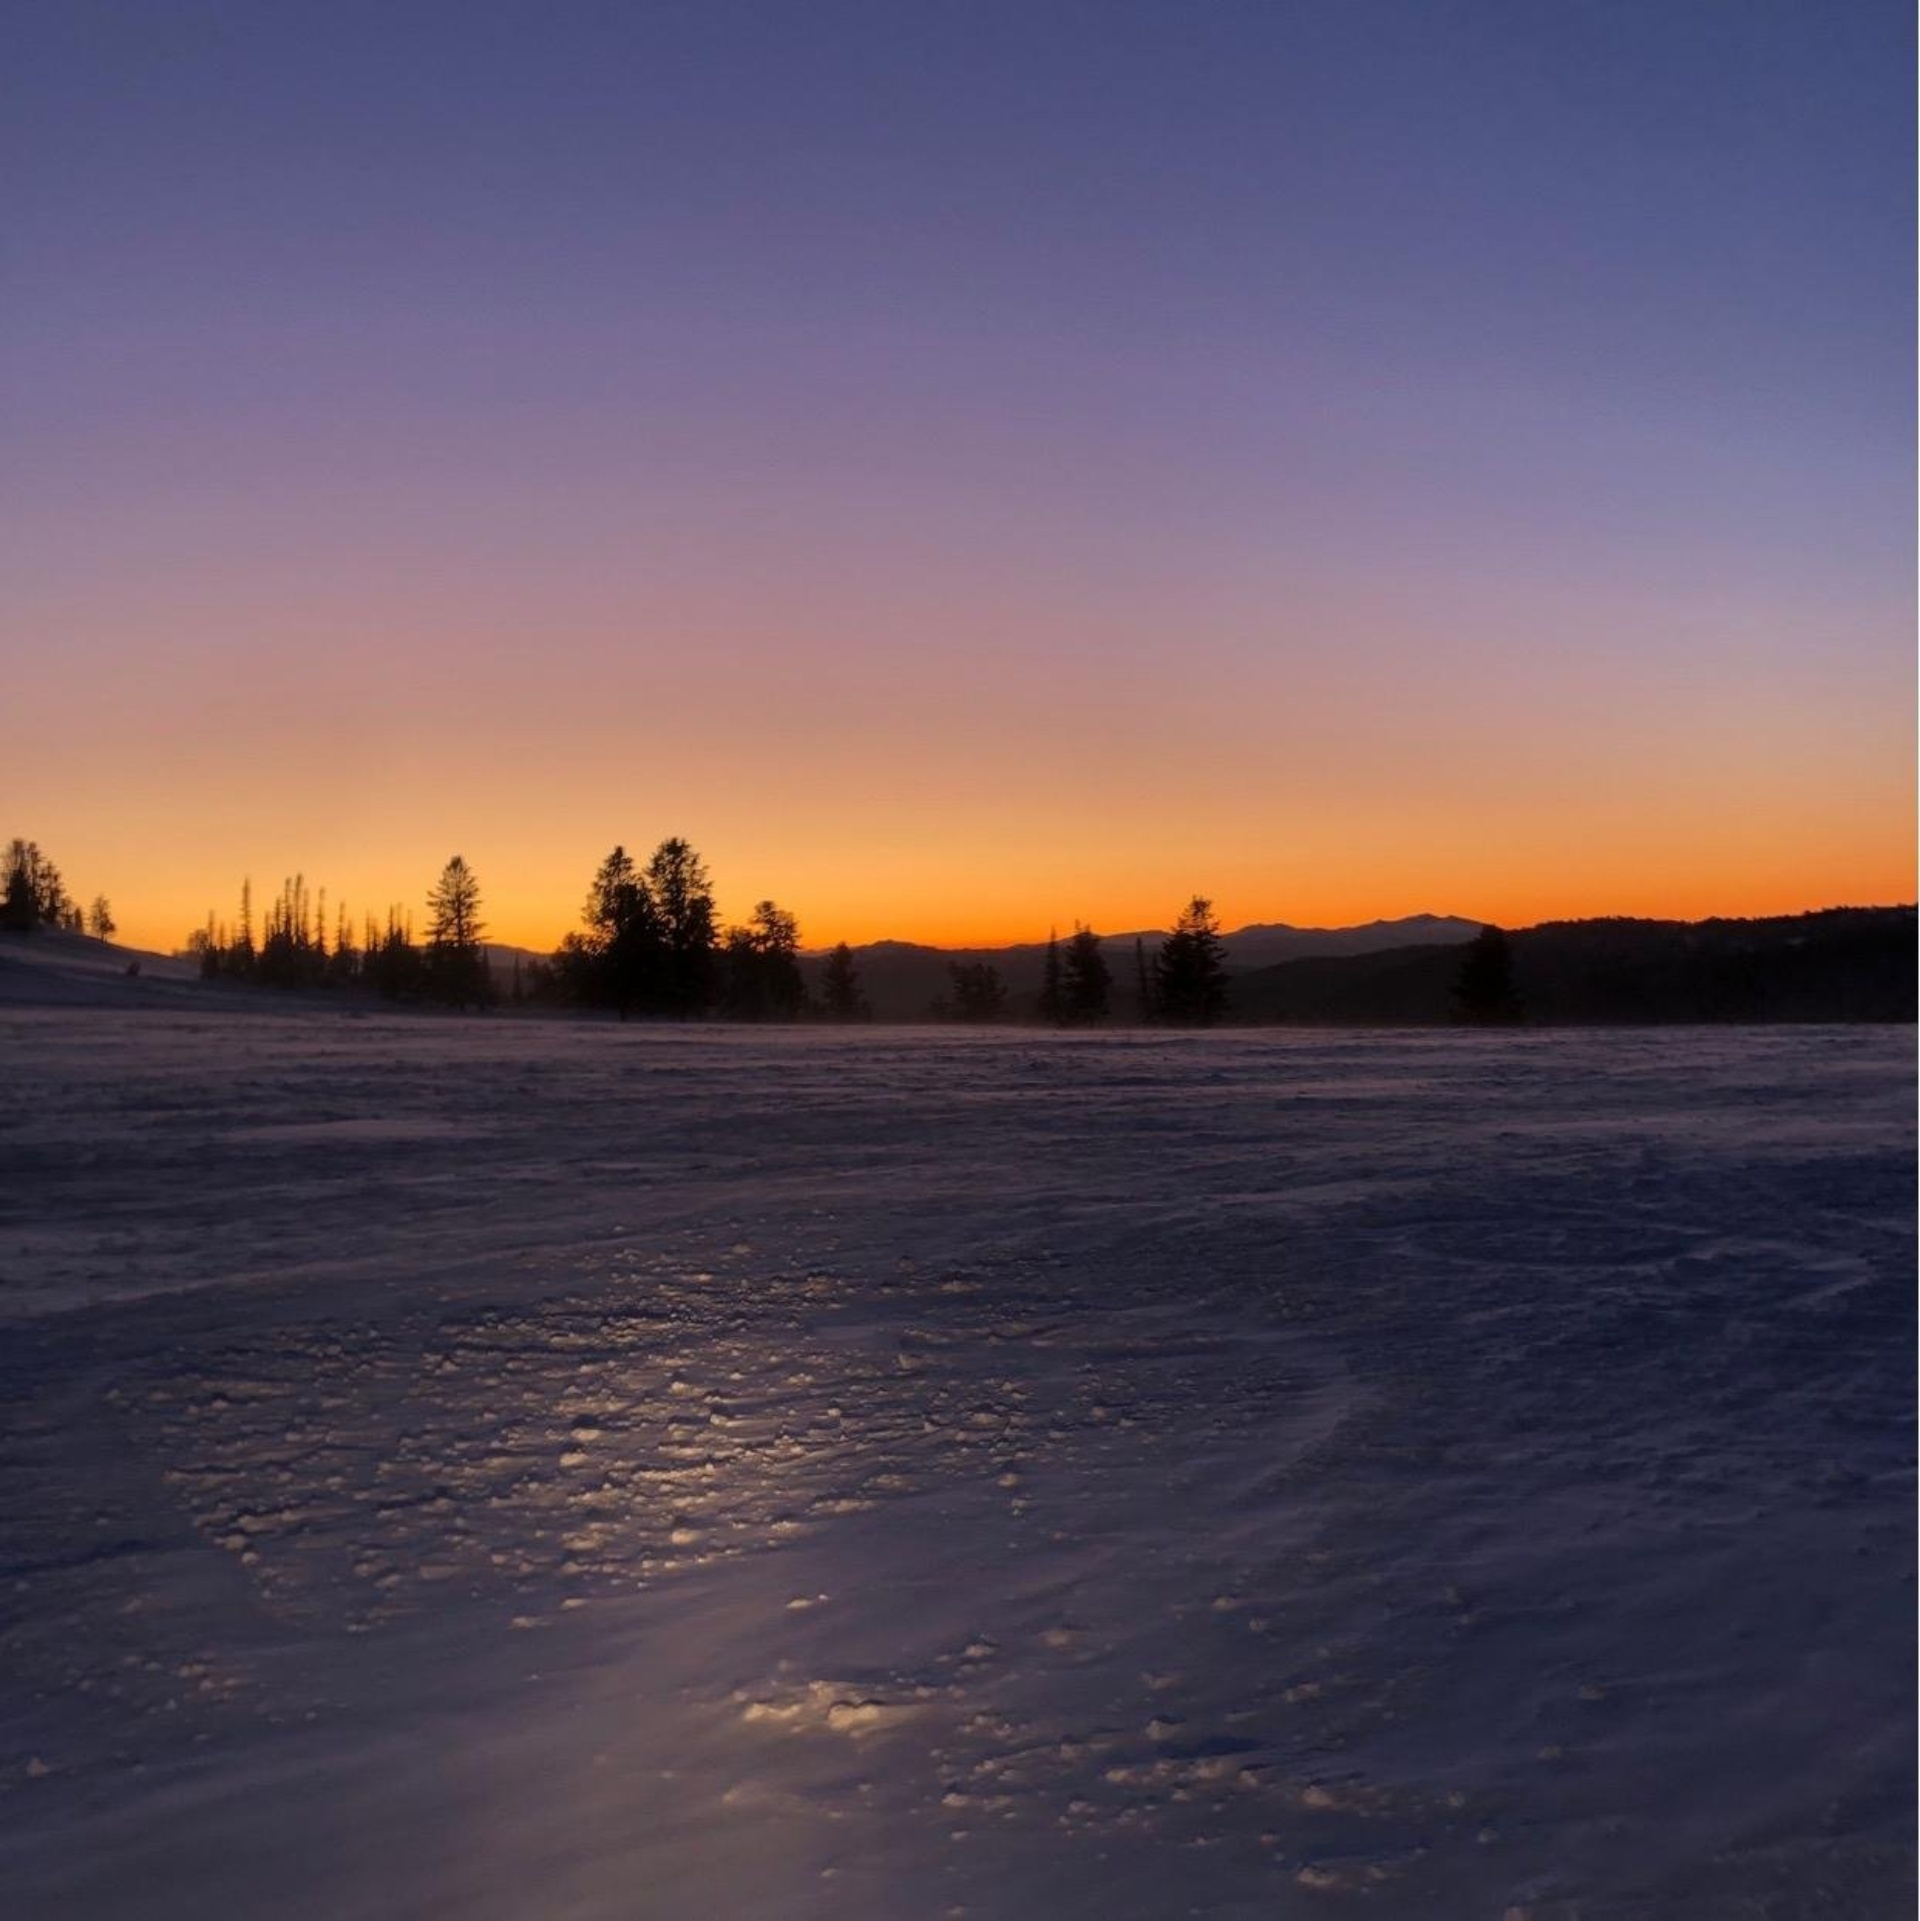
column 894, row 752
column 891, row 843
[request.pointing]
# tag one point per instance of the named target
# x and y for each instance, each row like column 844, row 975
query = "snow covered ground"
column 495, row 1469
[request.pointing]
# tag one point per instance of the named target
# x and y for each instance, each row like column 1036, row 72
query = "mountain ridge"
column 901, row 979
column 1405, row 931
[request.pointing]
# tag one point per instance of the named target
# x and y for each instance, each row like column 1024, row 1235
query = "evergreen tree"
column 1085, row 984
column 1146, row 1001
column 50, row 893
column 620, row 961
column 343, row 964
column 239, row 957
column 1190, row 979
column 776, row 935
column 1483, row 991
column 19, row 905
column 1052, row 1003
column 610, row 897
column 676, row 878
column 840, row 987
column 456, row 963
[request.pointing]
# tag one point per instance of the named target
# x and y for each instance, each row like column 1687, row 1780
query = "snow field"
column 522, row 1469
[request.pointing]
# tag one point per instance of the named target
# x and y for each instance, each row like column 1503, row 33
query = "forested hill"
column 1841, row 964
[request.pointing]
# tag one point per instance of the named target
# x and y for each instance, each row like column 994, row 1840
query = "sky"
column 966, row 468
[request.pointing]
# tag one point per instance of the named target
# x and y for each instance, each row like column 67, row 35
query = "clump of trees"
column 761, row 967
column 976, row 993
column 1185, row 984
column 293, row 949
column 293, row 941
column 32, row 894
column 390, row 963
column 649, row 946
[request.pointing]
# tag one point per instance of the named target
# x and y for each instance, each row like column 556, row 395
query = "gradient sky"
column 966, row 467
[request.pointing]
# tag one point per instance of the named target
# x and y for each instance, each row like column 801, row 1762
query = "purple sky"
column 851, row 435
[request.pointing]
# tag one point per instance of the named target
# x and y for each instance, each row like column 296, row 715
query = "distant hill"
column 1264, row 946
column 902, row 978
column 502, row 959
column 1841, row 964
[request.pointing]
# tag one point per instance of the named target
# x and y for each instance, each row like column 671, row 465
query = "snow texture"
column 522, row 1469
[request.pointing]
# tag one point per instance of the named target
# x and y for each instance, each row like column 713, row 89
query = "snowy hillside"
column 53, row 969
column 536, row 1470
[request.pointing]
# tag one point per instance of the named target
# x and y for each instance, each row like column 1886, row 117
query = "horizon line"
column 819, row 950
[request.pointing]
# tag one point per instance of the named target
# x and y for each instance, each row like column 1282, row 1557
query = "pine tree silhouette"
column 1052, row 1002
column 1085, row 982
column 1190, row 980
column 456, row 963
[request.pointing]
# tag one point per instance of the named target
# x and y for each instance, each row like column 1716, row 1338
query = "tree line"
column 290, row 945
column 650, row 946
